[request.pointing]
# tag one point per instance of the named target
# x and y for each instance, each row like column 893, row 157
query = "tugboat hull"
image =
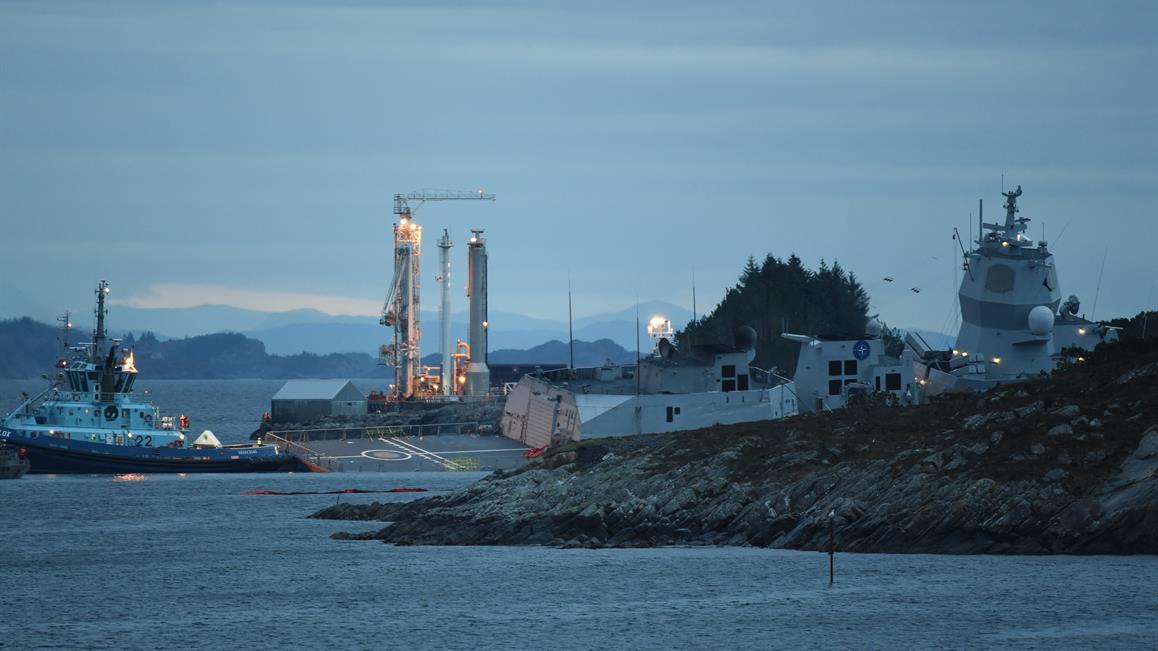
column 56, row 456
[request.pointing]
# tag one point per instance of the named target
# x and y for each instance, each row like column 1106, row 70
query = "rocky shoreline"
column 1064, row 464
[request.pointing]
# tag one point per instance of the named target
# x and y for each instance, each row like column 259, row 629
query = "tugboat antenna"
column 98, row 335
column 66, row 325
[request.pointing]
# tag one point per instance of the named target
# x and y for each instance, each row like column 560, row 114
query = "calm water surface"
column 165, row 562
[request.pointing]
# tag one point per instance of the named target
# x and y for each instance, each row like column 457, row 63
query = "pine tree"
column 784, row 296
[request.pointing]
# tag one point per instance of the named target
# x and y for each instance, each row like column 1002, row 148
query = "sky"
column 246, row 153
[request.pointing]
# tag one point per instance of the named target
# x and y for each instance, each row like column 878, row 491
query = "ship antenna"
column 1094, row 311
column 695, row 316
column 570, row 322
column 637, row 349
column 980, row 220
column 968, row 267
column 98, row 335
column 66, row 326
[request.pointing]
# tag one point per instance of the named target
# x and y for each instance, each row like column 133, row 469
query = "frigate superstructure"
column 832, row 370
column 1014, row 325
column 670, row 390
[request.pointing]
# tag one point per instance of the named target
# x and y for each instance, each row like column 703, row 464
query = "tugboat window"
column 834, row 387
column 892, row 381
column 850, row 367
column 742, row 382
column 834, row 367
column 728, row 370
column 729, row 385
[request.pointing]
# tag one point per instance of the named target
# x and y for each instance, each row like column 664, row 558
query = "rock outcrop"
column 1065, row 464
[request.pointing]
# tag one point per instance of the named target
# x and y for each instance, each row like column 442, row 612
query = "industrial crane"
column 401, row 308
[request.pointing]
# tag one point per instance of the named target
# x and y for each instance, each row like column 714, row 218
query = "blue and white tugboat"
column 89, row 421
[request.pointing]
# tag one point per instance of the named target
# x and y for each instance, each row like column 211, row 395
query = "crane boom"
column 402, row 206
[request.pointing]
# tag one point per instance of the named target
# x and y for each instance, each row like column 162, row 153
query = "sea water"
column 173, row 562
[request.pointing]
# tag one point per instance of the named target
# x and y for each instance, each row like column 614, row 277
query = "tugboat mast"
column 98, row 335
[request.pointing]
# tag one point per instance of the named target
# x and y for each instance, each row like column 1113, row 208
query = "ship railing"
column 311, row 457
column 377, row 431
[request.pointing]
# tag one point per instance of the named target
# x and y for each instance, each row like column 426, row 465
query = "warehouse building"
column 300, row 401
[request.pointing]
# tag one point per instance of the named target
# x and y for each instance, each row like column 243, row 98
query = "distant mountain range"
column 29, row 348
column 555, row 352
column 298, row 331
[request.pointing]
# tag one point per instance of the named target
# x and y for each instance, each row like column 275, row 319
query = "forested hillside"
column 29, row 348
column 783, row 296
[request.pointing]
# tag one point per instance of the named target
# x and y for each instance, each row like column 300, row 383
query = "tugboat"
column 88, row 421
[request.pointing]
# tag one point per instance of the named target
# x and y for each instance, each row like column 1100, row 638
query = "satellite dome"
column 745, row 338
column 873, row 328
column 1041, row 320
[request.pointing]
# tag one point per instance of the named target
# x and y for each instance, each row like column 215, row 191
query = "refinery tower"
column 461, row 372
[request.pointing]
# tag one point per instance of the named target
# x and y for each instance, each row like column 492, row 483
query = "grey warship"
column 1014, row 324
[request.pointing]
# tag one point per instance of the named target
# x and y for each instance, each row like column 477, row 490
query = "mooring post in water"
column 831, row 545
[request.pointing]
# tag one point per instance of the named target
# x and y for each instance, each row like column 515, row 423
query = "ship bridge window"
column 834, row 367
column 850, row 367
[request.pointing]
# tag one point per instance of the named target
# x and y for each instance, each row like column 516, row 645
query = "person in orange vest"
column 184, row 420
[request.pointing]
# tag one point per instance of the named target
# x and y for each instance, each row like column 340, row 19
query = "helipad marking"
column 426, row 454
column 386, row 455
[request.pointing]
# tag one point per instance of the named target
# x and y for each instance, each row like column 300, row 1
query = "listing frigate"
column 668, row 391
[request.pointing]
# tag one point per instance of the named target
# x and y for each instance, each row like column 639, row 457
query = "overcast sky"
column 246, row 153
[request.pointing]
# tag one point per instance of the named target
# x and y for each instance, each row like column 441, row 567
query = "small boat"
column 13, row 462
column 89, row 421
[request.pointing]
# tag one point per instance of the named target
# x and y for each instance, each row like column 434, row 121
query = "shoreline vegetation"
column 1064, row 464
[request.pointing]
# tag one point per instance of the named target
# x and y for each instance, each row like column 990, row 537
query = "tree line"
column 778, row 296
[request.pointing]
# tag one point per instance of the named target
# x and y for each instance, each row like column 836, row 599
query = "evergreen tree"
column 779, row 296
